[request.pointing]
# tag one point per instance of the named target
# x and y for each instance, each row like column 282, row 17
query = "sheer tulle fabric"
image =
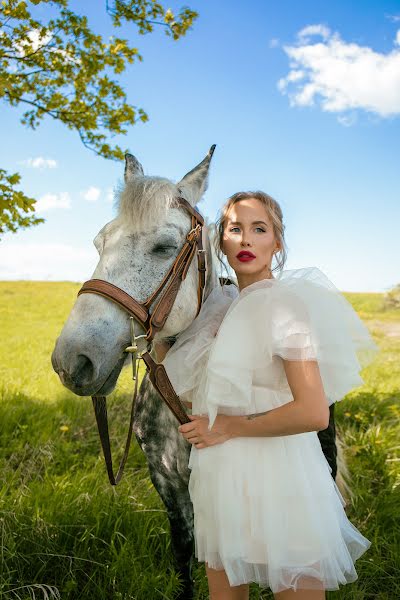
column 187, row 360
column 300, row 315
column 267, row 509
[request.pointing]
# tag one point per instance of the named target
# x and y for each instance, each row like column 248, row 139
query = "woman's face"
column 249, row 241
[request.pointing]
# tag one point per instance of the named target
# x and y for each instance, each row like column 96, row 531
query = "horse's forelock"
column 145, row 201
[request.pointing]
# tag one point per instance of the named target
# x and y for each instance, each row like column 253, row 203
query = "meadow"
column 65, row 532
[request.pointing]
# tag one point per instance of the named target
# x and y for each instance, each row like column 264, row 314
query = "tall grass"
column 65, row 532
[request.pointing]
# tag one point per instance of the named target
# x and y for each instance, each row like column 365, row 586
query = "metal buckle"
column 133, row 349
column 193, row 233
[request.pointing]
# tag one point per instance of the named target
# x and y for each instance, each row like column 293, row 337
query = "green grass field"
column 65, row 530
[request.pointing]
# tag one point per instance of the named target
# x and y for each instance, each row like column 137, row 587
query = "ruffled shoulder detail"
column 300, row 315
column 312, row 319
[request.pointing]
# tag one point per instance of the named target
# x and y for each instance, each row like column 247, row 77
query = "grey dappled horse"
column 136, row 250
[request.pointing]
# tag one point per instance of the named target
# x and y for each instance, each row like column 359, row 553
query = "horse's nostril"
column 83, row 370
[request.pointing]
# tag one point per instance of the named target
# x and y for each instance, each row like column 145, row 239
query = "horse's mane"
column 144, row 200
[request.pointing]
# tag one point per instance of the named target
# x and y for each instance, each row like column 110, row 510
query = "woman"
column 262, row 367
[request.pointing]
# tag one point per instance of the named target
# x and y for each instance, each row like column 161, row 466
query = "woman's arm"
column 309, row 411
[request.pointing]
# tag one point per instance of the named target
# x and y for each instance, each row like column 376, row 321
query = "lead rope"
column 100, row 411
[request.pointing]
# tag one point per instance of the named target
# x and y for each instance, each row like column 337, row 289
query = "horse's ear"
column 133, row 168
column 194, row 184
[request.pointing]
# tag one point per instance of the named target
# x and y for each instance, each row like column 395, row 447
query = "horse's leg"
column 167, row 454
column 176, row 498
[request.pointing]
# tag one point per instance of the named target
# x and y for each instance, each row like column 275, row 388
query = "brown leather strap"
column 163, row 308
column 196, row 218
column 117, row 295
column 100, row 411
column 195, row 213
column 160, row 380
column 202, row 268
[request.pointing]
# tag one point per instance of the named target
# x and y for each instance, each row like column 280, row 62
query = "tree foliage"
column 58, row 67
column 15, row 207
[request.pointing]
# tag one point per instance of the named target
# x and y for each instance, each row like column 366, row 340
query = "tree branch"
column 53, row 113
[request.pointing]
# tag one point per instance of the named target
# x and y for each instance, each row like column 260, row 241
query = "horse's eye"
column 164, row 249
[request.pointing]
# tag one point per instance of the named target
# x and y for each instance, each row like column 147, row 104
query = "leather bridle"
column 169, row 286
column 152, row 323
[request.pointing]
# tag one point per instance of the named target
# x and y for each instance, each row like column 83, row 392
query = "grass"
column 65, row 533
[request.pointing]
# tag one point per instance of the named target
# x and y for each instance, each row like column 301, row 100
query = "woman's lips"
column 245, row 256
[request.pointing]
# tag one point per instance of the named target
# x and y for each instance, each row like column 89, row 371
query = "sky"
column 302, row 100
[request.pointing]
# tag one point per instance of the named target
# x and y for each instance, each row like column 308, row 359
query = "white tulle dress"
column 266, row 509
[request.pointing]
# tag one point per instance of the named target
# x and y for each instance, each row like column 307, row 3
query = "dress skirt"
column 268, row 511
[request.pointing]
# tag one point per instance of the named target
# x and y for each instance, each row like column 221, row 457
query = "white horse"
column 136, row 250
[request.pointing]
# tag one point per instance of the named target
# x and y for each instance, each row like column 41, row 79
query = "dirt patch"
column 387, row 328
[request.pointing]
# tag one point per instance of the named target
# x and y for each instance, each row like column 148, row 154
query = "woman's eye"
column 234, row 229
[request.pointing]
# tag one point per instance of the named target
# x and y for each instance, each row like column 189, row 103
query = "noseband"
column 152, row 322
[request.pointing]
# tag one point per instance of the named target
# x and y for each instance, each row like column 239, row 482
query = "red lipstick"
column 245, row 256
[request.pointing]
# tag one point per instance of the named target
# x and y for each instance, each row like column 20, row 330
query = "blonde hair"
column 274, row 212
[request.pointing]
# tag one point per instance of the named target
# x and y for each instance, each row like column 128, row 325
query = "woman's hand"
column 196, row 432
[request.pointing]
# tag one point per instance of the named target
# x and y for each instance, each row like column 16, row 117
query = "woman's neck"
column 245, row 279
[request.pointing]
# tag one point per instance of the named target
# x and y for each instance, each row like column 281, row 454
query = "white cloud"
column 50, row 201
column 46, row 261
column 347, row 120
column 339, row 76
column 92, row 194
column 311, row 30
column 273, row 43
column 40, row 163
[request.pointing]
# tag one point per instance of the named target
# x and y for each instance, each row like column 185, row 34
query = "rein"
column 152, row 322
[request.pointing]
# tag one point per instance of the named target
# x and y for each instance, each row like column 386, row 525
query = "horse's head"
column 136, row 250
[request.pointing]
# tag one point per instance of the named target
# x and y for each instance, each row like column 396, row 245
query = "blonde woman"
column 261, row 366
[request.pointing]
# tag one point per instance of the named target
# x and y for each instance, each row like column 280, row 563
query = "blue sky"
column 303, row 102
